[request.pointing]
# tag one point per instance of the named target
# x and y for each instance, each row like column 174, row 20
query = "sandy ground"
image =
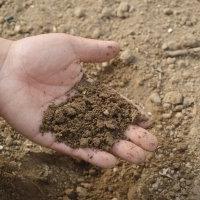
column 160, row 48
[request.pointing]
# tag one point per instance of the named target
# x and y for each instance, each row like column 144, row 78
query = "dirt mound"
column 95, row 117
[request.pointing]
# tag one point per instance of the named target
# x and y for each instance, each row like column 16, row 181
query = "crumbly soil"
column 160, row 76
column 95, row 117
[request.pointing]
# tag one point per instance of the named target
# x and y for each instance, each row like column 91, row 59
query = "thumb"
column 89, row 50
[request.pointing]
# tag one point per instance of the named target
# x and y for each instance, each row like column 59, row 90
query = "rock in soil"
column 79, row 12
column 127, row 56
column 173, row 97
column 95, row 117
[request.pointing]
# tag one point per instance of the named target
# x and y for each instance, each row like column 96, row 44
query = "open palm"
column 42, row 69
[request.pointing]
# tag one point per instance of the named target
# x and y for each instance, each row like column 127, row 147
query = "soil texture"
column 95, row 117
column 159, row 67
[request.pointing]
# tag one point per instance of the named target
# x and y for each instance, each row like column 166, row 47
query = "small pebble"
column 179, row 115
column 127, row 56
column 122, row 10
column 165, row 46
column 86, row 185
column 106, row 13
column 17, row 28
column 159, row 126
column 155, row 98
column 105, row 64
column 84, row 141
column 176, row 187
column 170, row 30
column 188, row 182
column 92, row 172
column 80, row 180
column 170, row 45
column 10, row 32
column 106, row 112
column 60, row 15
column 81, row 191
column 79, row 12
column 170, row 61
column 9, row 19
column 1, row 147
column 96, row 142
column 124, row 6
column 178, row 108
column 110, row 188
column 8, row 141
column 96, row 33
column 166, row 106
column 115, row 169
column 182, row 148
column 189, row 40
column 167, row 115
column 173, row 97
column 188, row 101
column 168, row 11
column 54, row 29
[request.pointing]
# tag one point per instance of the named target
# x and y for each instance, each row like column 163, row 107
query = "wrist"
column 4, row 49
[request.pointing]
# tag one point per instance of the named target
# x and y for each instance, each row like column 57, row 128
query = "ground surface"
column 169, row 87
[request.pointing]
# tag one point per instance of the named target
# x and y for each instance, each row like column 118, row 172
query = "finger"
column 45, row 140
column 89, row 50
column 129, row 151
column 142, row 138
column 99, row 158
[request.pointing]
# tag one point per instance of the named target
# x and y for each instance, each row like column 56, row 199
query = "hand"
column 41, row 69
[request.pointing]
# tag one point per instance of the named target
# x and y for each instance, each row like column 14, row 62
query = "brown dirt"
column 149, row 29
column 96, row 117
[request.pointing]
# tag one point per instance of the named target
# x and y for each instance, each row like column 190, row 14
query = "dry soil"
column 158, row 66
column 95, row 117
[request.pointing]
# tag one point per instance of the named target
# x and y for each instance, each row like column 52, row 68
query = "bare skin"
column 39, row 70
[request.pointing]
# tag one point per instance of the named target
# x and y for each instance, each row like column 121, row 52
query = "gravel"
column 173, row 97
column 155, row 98
column 127, row 56
column 79, row 12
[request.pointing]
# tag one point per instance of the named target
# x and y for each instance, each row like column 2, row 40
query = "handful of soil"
column 95, row 117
